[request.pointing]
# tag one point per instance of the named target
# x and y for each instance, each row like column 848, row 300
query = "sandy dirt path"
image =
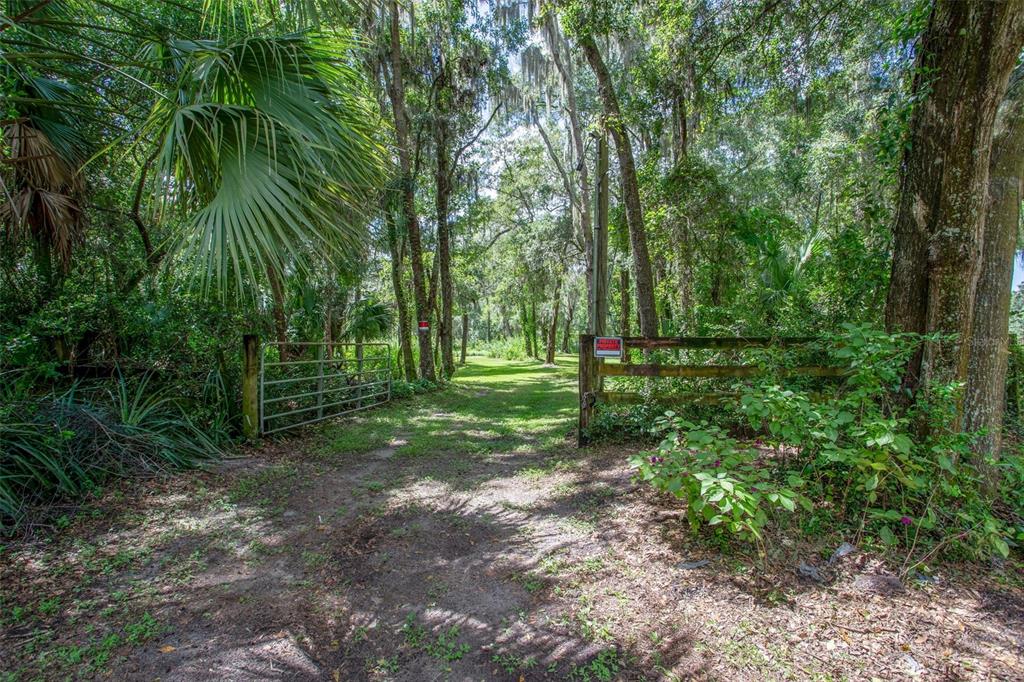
column 461, row 536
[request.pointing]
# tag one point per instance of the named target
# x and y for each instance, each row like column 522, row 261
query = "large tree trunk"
column 442, row 196
column 985, row 394
column 401, row 308
column 397, row 92
column 630, row 188
column 278, row 312
column 553, row 329
column 565, row 71
column 965, row 57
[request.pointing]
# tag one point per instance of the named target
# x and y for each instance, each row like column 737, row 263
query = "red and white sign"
column 424, row 326
column 608, row 346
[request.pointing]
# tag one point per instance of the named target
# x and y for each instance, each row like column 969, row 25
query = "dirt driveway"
column 460, row 536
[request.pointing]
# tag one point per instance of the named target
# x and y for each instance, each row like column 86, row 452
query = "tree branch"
column 472, row 141
column 25, row 14
column 561, row 169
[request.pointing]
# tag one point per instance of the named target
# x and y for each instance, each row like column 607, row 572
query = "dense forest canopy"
column 457, row 177
column 764, row 141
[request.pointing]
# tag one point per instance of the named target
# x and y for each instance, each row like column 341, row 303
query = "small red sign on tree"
column 424, row 326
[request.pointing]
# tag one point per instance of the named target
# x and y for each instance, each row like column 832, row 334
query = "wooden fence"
column 592, row 369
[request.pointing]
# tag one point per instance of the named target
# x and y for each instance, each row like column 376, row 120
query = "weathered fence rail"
column 592, row 369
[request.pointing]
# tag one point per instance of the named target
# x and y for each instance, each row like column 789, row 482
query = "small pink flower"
column 906, row 520
column 718, row 462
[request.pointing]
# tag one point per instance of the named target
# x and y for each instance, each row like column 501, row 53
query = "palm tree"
column 263, row 145
column 369, row 320
column 267, row 143
column 42, row 190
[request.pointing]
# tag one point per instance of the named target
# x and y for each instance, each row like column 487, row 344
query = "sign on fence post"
column 608, row 347
column 587, row 386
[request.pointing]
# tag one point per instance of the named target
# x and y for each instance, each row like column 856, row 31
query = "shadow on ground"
column 459, row 536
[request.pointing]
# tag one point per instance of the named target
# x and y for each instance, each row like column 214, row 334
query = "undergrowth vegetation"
column 507, row 348
column 61, row 444
column 897, row 478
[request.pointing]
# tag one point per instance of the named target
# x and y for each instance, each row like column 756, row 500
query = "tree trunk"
column 985, row 393
column 278, row 311
column 524, row 317
column 465, row 338
column 565, row 71
column 553, row 329
column 965, row 57
column 598, row 284
column 663, row 301
column 624, row 308
column 631, row 191
column 535, row 342
column 397, row 92
column 570, row 310
column 686, row 316
column 442, row 195
column 401, row 308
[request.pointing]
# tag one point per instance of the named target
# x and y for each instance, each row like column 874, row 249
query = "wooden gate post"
column 250, row 386
column 589, row 382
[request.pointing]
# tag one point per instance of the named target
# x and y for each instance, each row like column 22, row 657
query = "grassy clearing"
column 540, row 404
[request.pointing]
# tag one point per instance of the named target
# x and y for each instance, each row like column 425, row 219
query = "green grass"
column 492, row 406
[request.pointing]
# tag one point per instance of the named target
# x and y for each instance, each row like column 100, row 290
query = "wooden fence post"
column 588, row 381
column 250, row 386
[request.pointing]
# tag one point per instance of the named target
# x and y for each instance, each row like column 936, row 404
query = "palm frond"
column 369, row 320
column 270, row 153
column 44, row 151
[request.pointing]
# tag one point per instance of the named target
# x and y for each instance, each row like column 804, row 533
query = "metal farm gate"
column 319, row 381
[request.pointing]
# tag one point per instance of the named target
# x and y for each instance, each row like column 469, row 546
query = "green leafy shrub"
column 900, row 477
column 621, row 423
column 407, row 389
column 510, row 348
column 63, row 446
column 722, row 481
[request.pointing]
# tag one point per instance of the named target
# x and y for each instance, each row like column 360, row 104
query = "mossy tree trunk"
column 397, row 93
column 965, row 57
column 985, row 394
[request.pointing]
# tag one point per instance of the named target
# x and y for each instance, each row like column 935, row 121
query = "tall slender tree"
column 396, row 88
column 630, row 187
